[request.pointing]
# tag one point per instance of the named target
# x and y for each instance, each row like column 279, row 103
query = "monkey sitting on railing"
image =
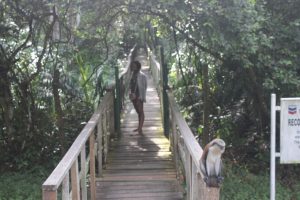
column 211, row 163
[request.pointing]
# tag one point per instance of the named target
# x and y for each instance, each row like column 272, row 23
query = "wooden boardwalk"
column 140, row 166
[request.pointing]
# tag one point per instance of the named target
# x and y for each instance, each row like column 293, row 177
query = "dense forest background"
column 225, row 58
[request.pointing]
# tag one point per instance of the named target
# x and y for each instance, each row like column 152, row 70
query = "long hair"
column 138, row 64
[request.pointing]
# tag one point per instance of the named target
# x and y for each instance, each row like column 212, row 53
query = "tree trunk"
column 58, row 110
column 206, row 106
column 6, row 102
column 259, row 101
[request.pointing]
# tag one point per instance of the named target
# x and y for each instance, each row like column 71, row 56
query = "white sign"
column 290, row 130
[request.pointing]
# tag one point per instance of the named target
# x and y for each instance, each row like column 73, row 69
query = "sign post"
column 289, row 135
column 273, row 147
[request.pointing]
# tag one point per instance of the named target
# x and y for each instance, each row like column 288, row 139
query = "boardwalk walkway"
column 140, row 166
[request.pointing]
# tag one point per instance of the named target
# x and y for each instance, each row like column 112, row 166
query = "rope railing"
column 185, row 148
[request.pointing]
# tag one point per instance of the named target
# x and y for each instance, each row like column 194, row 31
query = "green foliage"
column 38, row 40
column 240, row 184
column 251, row 49
column 25, row 185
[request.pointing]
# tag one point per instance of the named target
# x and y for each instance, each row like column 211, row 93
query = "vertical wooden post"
column 194, row 178
column 175, row 145
column 164, row 71
column 117, row 101
column 188, row 172
column 191, row 176
column 75, row 181
column 66, row 187
column 205, row 105
column 171, row 137
column 49, row 195
column 100, row 147
column 83, row 174
column 105, row 134
column 92, row 167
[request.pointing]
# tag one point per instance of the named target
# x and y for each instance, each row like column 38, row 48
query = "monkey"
column 211, row 163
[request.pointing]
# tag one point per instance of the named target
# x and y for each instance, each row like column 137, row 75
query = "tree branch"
column 182, row 32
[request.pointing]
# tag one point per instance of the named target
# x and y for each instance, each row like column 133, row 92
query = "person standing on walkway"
column 137, row 92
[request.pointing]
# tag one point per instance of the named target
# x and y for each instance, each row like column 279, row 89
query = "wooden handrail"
column 188, row 149
column 184, row 145
column 68, row 166
column 56, row 177
column 190, row 141
column 101, row 125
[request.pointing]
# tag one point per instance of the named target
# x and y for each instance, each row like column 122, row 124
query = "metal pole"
column 273, row 147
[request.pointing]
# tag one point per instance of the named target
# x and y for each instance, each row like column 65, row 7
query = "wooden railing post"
column 92, row 167
column 49, row 195
column 75, row 181
column 165, row 102
column 83, row 174
column 175, row 143
column 194, row 187
column 105, row 149
column 188, row 173
column 100, row 146
column 117, row 101
column 66, row 187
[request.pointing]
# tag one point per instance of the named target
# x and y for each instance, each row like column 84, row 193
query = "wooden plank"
column 165, row 156
column 145, row 198
column 133, row 124
column 100, row 147
column 147, row 147
column 135, row 183
column 141, row 177
column 92, row 167
column 138, row 160
column 49, row 195
column 83, row 174
column 142, row 166
column 170, row 195
column 137, row 172
column 66, row 187
column 138, row 188
column 195, row 182
column 145, row 133
column 155, row 141
column 75, row 181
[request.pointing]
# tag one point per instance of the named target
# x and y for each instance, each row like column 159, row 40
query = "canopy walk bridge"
column 108, row 160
